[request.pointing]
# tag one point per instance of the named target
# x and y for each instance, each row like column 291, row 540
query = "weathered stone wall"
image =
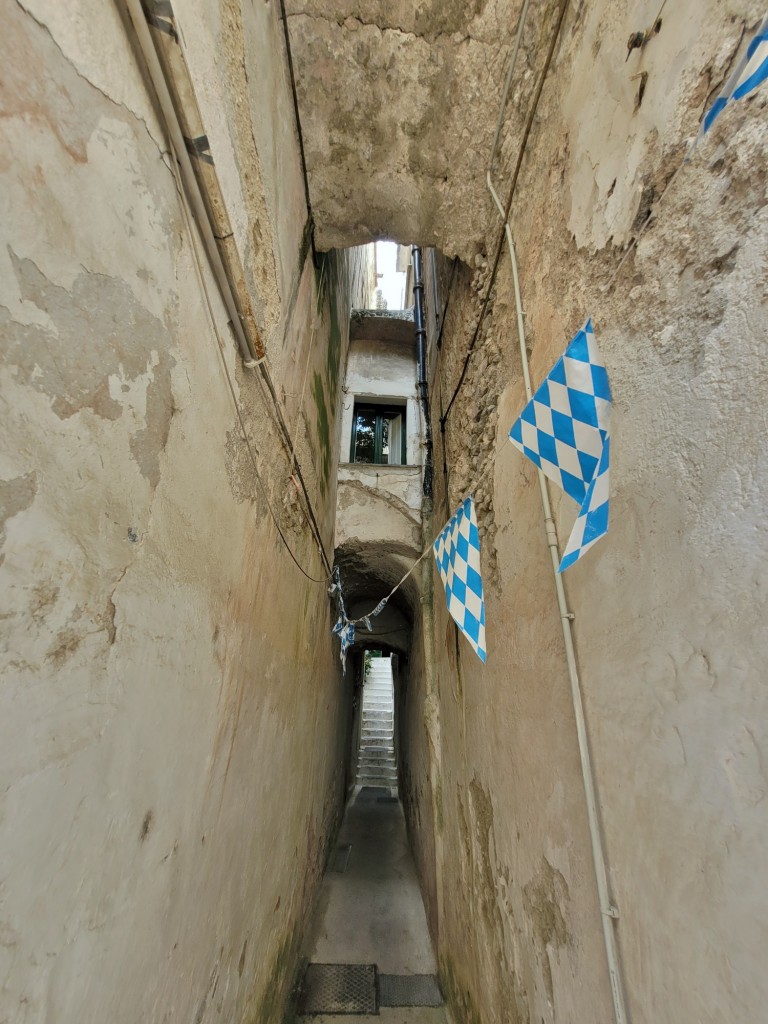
column 418, row 707
column 166, row 669
column 399, row 103
column 669, row 608
column 414, row 757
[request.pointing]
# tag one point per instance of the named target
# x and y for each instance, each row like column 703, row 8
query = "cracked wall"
column 158, row 642
column 669, row 607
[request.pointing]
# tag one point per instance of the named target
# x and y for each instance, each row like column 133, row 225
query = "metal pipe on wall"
column 608, row 911
column 227, row 289
column 421, row 357
column 251, row 358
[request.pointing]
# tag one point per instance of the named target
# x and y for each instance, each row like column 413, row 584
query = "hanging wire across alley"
column 468, row 490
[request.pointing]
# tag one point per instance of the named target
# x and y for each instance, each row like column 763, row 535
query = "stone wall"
column 669, row 607
column 399, row 103
column 166, row 668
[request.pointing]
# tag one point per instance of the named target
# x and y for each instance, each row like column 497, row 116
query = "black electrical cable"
column 421, row 345
column 508, row 207
column 188, row 216
column 295, row 464
column 188, row 220
column 444, row 314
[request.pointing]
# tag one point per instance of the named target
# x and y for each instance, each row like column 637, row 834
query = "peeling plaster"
column 127, row 367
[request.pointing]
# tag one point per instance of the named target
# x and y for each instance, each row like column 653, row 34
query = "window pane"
column 365, row 437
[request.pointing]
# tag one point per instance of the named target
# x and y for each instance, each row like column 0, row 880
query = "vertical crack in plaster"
column 115, row 103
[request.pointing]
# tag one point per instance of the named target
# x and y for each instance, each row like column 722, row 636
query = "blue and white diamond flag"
column 457, row 554
column 751, row 70
column 592, row 523
column 564, row 430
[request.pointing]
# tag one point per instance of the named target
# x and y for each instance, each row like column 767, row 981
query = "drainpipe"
column 421, row 356
column 252, row 355
column 251, row 347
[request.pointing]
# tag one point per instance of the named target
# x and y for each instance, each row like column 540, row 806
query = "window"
column 378, row 435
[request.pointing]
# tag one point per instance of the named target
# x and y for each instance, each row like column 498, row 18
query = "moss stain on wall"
column 325, row 389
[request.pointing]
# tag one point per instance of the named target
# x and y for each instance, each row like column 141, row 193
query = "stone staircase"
column 376, row 761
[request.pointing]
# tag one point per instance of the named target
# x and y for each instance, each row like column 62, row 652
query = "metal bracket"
column 159, row 14
column 200, row 148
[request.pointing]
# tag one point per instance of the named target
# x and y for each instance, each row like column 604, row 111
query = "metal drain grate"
column 340, row 859
column 409, row 990
column 339, row 988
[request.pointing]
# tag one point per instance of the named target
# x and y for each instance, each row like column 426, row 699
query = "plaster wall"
column 669, row 607
column 166, row 669
column 415, row 756
column 378, row 371
column 381, row 504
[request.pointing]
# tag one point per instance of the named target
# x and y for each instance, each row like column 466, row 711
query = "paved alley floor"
column 372, row 912
column 388, row 1015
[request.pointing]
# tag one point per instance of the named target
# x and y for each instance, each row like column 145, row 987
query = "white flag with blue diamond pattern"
column 751, row 70
column 457, row 554
column 564, row 430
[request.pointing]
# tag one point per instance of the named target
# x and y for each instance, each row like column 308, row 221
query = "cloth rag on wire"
column 751, row 70
column 457, row 554
column 564, row 430
column 344, row 628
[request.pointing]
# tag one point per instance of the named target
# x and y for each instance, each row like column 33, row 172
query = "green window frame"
column 373, row 426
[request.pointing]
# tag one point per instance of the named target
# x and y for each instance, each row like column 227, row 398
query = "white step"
column 377, row 754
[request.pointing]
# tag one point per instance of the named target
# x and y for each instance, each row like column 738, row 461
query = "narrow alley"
column 371, row 913
column 383, row 535
column 370, row 949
